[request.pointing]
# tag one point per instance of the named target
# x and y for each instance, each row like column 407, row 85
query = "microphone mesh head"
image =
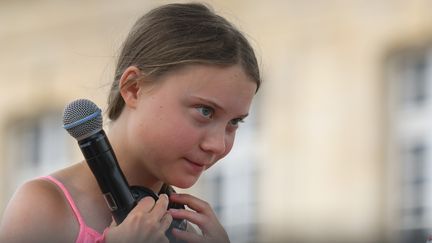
column 82, row 118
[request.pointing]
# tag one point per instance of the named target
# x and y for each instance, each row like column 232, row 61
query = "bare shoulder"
column 38, row 212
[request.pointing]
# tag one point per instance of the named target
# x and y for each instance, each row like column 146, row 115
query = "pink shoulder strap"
column 86, row 234
column 68, row 198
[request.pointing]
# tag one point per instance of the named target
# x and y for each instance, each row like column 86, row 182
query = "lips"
column 196, row 167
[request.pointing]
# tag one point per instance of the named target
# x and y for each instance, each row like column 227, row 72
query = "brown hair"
column 177, row 34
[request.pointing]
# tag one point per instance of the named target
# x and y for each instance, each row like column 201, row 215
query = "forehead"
column 201, row 75
column 228, row 85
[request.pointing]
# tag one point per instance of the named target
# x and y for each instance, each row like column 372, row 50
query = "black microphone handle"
column 101, row 159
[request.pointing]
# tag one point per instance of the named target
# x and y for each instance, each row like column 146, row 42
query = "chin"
column 184, row 183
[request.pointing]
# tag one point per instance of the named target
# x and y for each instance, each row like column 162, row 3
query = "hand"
column 201, row 215
column 147, row 222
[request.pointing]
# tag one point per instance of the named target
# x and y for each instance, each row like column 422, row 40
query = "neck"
column 133, row 168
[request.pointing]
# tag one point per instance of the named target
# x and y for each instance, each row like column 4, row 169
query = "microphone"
column 83, row 120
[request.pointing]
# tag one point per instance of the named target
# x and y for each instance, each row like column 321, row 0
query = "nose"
column 214, row 141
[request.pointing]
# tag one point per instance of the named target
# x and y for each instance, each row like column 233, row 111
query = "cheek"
column 182, row 139
column 229, row 142
column 178, row 133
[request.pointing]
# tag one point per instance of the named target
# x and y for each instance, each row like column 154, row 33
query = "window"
column 35, row 146
column 413, row 79
column 410, row 85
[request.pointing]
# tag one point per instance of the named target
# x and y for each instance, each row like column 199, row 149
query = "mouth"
column 196, row 167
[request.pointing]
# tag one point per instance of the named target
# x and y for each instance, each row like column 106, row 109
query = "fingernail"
column 163, row 195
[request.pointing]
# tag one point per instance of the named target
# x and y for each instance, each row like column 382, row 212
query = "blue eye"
column 235, row 122
column 206, row 111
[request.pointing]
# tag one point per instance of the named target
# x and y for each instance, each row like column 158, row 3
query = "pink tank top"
column 86, row 234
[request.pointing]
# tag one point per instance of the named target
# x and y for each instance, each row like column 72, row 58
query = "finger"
column 191, row 216
column 192, row 202
column 166, row 221
column 187, row 236
column 144, row 205
column 160, row 207
column 191, row 228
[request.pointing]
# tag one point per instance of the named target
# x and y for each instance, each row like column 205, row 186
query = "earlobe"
column 129, row 87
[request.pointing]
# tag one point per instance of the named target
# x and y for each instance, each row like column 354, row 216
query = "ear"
column 129, row 88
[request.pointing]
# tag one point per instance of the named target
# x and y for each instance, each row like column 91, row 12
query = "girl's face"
column 186, row 122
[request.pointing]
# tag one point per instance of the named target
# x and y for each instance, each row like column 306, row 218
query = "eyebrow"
column 216, row 105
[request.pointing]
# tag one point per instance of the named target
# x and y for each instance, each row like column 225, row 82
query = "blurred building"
column 338, row 148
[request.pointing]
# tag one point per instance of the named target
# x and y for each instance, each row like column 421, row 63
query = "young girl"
column 184, row 81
